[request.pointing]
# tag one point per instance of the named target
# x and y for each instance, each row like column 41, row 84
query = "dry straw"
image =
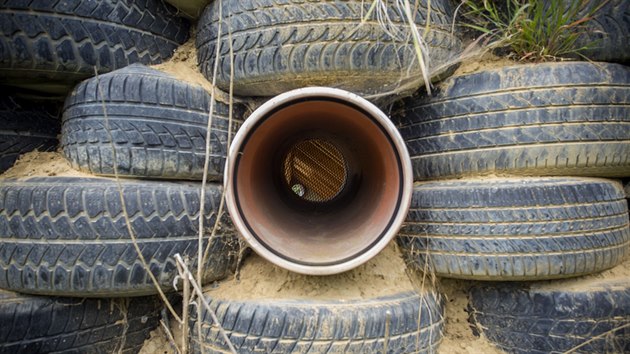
column 190, row 281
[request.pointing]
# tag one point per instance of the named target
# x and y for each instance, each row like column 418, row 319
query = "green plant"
column 533, row 30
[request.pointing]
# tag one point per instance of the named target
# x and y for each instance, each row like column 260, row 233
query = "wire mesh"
column 315, row 170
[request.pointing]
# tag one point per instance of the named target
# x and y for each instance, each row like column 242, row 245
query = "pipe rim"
column 385, row 124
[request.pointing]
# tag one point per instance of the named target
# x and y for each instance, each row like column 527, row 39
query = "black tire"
column 555, row 317
column 51, row 45
column 158, row 125
column 517, row 229
column 608, row 32
column 539, row 119
column 26, row 126
column 35, row 324
column 401, row 323
column 283, row 45
column 68, row 236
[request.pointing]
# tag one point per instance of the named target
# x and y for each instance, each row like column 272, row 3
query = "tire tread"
column 51, row 325
column 536, row 120
column 517, row 229
column 68, row 236
column 64, row 40
column 158, row 125
column 289, row 326
column 520, row 319
column 275, row 50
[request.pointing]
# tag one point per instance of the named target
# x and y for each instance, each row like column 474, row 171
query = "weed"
column 411, row 32
column 533, row 30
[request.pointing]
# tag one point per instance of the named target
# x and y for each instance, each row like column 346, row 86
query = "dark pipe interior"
column 322, row 232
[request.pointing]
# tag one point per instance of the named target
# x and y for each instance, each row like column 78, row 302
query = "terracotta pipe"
column 318, row 180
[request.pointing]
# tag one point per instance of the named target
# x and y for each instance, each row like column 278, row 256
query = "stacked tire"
column 105, row 237
column 48, row 47
column 26, row 126
column 82, row 258
column 516, row 171
column 261, row 48
column 278, row 46
column 515, row 166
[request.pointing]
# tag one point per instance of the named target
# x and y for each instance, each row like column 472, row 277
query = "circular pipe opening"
column 315, row 170
column 318, row 180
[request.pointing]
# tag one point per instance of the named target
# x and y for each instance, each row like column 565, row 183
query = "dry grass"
column 122, row 201
column 192, row 283
column 379, row 10
column 188, row 279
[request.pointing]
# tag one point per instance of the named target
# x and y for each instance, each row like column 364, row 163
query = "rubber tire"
column 26, row 126
column 157, row 123
column 283, row 45
column 67, row 236
column 554, row 318
column 517, row 229
column 36, row 324
column 324, row 326
column 569, row 118
column 51, row 45
column 608, row 32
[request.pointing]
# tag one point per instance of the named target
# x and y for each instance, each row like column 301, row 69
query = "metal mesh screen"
column 315, row 170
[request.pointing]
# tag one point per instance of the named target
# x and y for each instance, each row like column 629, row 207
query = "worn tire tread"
column 543, row 119
column 26, row 126
column 322, row 326
column 608, row 32
column 68, row 236
column 554, row 318
column 33, row 324
column 62, row 41
column 158, row 125
column 276, row 50
column 517, row 229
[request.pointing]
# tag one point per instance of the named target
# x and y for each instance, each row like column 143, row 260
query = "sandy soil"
column 383, row 275
column 41, row 164
column 183, row 66
column 458, row 336
column 157, row 344
column 486, row 61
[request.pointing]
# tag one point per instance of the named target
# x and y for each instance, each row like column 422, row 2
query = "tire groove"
column 300, row 41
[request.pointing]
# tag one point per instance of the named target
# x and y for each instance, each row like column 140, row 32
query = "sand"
column 383, row 275
column 183, row 66
column 458, row 336
column 42, row 164
column 485, row 62
column 157, row 344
